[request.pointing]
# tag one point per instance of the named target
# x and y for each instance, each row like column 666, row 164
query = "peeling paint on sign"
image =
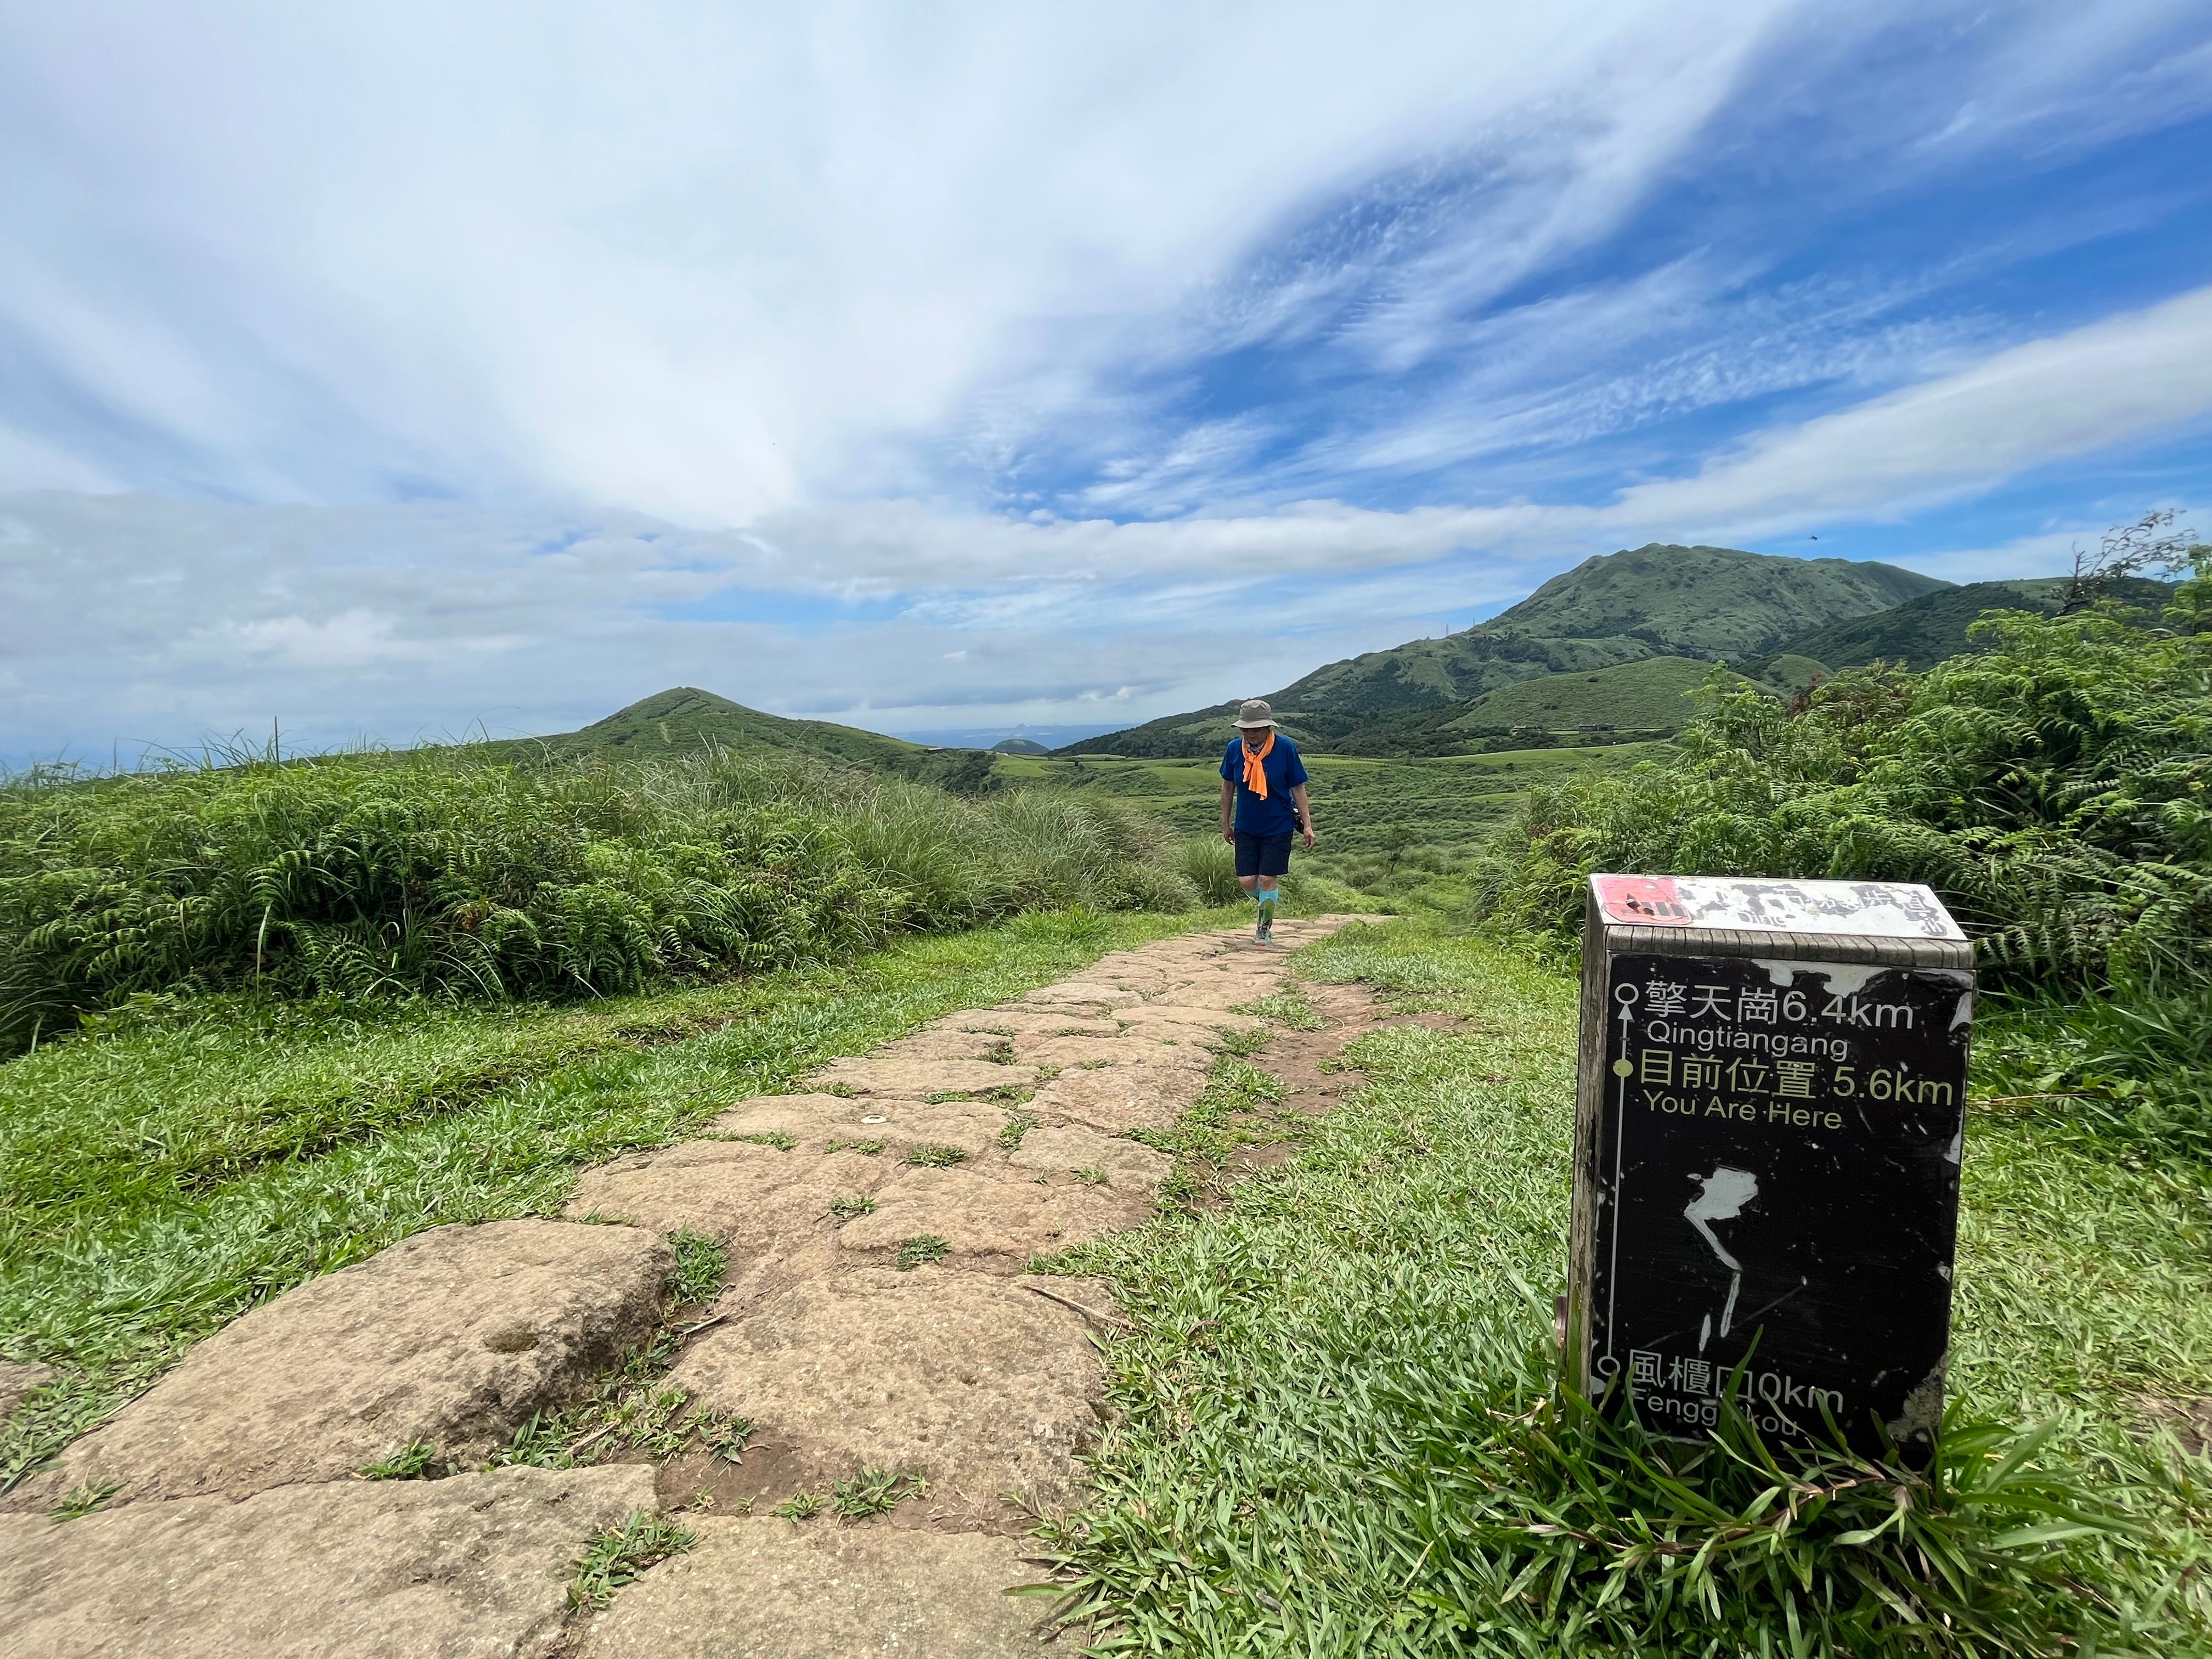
column 1874, row 909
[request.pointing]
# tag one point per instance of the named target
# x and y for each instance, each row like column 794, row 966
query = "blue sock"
column 1265, row 895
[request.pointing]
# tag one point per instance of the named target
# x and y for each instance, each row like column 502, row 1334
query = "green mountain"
column 1019, row 746
column 1922, row 632
column 1698, row 603
column 684, row 720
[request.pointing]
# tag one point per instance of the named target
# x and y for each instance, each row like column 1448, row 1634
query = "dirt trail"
column 875, row 1315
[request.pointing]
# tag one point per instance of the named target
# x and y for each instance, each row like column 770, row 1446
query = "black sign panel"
column 1776, row 1171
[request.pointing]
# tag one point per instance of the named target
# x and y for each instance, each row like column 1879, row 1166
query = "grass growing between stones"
column 616, row 1556
column 412, row 1462
column 1338, row 1433
column 1236, row 1108
column 166, row 1171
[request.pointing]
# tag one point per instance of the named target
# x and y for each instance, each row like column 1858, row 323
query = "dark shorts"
column 1263, row 855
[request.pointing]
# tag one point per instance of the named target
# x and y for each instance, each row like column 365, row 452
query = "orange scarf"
column 1255, row 775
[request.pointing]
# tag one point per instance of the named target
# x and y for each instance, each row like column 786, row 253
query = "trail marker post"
column 1768, row 1137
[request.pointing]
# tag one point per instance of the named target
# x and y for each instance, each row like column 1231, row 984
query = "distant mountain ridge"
column 1702, row 604
column 1923, row 632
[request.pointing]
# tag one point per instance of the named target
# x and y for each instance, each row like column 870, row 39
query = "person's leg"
column 1274, row 861
column 1248, row 861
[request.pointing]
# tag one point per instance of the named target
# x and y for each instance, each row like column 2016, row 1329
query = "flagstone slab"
column 918, row 1078
column 475, row 1567
column 1065, row 1149
column 763, row 1588
column 934, row 1043
column 753, row 1199
column 1029, row 1021
column 1157, row 1046
column 1189, row 1024
column 1082, row 994
column 976, row 1381
column 898, row 1126
column 1119, row 1098
column 454, row 1336
column 986, row 1213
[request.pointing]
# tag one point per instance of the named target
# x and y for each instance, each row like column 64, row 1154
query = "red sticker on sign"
column 1647, row 899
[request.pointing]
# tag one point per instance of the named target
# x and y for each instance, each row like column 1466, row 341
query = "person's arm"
column 1228, row 805
column 1306, row 812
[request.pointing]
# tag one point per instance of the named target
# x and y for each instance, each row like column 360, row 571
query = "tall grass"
column 437, row 872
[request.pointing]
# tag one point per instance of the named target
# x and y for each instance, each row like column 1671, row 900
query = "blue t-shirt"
column 1275, row 816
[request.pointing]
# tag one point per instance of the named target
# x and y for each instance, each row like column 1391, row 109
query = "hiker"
column 1262, row 775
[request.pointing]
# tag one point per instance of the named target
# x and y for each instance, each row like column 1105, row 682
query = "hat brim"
column 1251, row 725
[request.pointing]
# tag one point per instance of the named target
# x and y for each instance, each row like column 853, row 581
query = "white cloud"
column 2066, row 396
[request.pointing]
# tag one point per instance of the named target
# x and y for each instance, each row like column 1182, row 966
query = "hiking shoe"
column 1264, row 930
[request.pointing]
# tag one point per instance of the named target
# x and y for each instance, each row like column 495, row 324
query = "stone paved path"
column 876, row 1312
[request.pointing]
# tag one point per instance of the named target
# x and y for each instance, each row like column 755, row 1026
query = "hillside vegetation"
column 445, row 872
column 1704, row 603
column 1923, row 632
column 2054, row 787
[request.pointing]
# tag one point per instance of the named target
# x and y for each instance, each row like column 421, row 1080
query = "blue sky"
column 391, row 371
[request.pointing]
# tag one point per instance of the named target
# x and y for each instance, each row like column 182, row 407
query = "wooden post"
column 1768, row 1132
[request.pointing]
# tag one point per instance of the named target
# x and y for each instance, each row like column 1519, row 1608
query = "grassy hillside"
column 1651, row 696
column 1923, row 631
column 686, row 720
column 1657, row 601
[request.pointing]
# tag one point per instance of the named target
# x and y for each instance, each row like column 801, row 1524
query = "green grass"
column 412, row 1462
column 616, row 1556
column 1335, row 1432
column 921, row 1250
column 80, row 1501
column 928, row 1156
column 161, row 1179
column 700, row 1264
column 872, row 1491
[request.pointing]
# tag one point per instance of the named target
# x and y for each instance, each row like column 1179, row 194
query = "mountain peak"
column 1661, row 599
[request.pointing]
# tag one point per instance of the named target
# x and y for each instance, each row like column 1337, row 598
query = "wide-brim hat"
column 1254, row 713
